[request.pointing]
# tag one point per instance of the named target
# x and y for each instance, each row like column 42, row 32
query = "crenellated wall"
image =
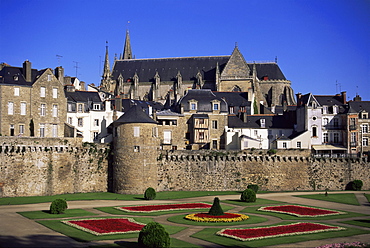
column 186, row 170
column 49, row 166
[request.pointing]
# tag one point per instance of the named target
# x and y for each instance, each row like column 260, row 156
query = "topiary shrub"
column 216, row 208
column 253, row 187
column 58, row 206
column 248, row 195
column 354, row 185
column 150, row 194
column 153, row 235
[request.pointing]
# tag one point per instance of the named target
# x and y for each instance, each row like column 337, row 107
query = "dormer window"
column 325, row 109
column 263, row 123
column 364, row 115
column 335, row 109
column 15, row 78
column 96, row 106
column 193, row 104
column 215, row 105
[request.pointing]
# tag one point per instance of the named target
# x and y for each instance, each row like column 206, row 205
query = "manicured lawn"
column 258, row 201
column 111, row 196
column 253, row 210
column 114, row 211
column 362, row 222
column 82, row 236
column 130, row 244
column 209, row 234
column 368, row 197
column 346, row 198
column 46, row 215
column 181, row 220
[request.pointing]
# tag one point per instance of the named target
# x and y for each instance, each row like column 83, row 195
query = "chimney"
column 27, row 70
column 299, row 95
column 59, row 74
column 344, row 97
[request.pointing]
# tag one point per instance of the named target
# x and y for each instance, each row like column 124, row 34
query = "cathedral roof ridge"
column 172, row 58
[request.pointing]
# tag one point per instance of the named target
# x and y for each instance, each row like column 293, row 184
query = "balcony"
column 334, row 127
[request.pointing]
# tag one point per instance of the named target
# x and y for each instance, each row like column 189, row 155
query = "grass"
column 253, row 210
column 346, row 198
column 45, row 214
column 258, row 201
column 110, row 196
column 367, row 197
column 114, row 211
column 362, row 222
column 82, row 236
column 133, row 244
column 181, row 220
column 209, row 234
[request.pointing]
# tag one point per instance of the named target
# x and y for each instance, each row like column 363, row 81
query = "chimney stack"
column 344, row 97
column 27, row 70
column 59, row 74
column 299, row 95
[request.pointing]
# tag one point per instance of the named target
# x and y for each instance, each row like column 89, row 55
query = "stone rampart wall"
column 49, row 166
column 183, row 170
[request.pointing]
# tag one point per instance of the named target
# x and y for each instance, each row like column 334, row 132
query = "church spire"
column 106, row 72
column 127, row 53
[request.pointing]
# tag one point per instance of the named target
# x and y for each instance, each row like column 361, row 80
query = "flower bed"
column 164, row 207
column 247, row 234
column 106, row 226
column 226, row 217
column 300, row 211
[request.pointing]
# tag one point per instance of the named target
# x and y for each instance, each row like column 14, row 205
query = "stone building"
column 155, row 79
column 32, row 101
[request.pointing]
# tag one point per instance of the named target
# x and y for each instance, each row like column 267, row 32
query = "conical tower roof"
column 127, row 52
column 134, row 115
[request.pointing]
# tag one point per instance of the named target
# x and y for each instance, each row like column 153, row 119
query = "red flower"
column 299, row 210
column 276, row 231
column 165, row 207
column 106, row 226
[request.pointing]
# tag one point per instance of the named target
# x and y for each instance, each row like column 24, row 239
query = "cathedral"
column 161, row 79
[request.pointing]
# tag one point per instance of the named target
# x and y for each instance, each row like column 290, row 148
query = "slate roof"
column 134, row 115
column 329, row 100
column 83, row 96
column 188, row 66
column 253, row 121
column 204, row 97
column 8, row 72
column 128, row 103
column 234, row 98
column 358, row 106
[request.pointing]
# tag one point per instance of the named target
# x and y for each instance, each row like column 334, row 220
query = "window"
column 365, row 128
column 167, row 137
column 70, row 107
column 201, row 135
column 10, row 108
column 365, row 142
column 95, row 134
column 70, row 120
column 352, row 121
column 23, row 108
column 42, row 130
column 201, row 121
column 299, row 144
column 263, row 123
column 16, row 91
column 11, row 130
column 43, row 109
column 216, row 106
column 55, row 110
column 353, row 137
column 335, row 109
column 96, row 107
column 231, row 109
column 214, row 144
column 326, row 137
column 364, row 115
column 42, row 91
column 21, row 129
column 155, row 132
column 314, row 131
column 136, row 131
column 80, row 107
column 96, row 122
column 193, row 106
column 54, row 131
column 284, row 144
column 325, row 109
column 335, row 122
column 49, row 78
column 55, row 92
column 255, row 132
column 336, row 137
column 80, row 122
column 242, row 109
column 325, row 121
column 214, row 124
column 136, row 148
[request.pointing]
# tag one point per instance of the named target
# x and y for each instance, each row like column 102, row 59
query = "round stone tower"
column 135, row 152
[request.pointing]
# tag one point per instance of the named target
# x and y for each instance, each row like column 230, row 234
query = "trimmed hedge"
column 58, row 206
column 153, row 235
column 253, row 187
column 248, row 195
column 216, row 208
column 150, row 194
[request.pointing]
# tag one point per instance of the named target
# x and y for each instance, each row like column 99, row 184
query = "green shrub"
column 271, row 152
column 253, row 187
column 153, row 235
column 216, row 208
column 58, row 206
column 248, row 195
column 150, row 194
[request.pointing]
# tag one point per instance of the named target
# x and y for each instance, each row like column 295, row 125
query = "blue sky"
column 322, row 46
